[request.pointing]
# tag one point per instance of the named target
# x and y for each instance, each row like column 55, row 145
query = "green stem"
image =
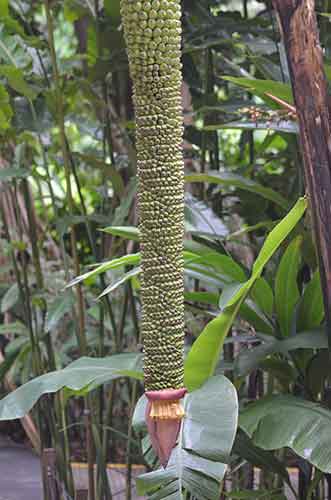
column 318, row 476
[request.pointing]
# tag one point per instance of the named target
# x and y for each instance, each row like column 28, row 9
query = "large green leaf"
column 286, row 421
column 211, row 267
column 240, row 182
column 81, row 374
column 286, row 288
column 197, row 464
column 205, row 353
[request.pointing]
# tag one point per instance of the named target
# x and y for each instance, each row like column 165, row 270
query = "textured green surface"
column 152, row 31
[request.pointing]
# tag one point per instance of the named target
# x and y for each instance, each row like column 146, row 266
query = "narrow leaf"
column 240, row 182
column 205, row 353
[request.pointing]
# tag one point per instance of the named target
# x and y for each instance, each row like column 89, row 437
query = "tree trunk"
column 299, row 29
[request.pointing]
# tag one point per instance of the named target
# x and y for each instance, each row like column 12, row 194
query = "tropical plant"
column 254, row 315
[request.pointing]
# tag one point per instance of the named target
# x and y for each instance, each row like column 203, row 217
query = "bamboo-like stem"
column 26, row 421
column 36, row 361
column 59, row 439
column 90, row 453
column 81, row 335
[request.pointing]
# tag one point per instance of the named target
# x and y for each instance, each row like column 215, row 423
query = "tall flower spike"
column 152, row 30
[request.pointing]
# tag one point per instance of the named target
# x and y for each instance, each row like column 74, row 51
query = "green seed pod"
column 153, row 38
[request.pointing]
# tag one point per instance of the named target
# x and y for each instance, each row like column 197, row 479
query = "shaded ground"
column 20, row 475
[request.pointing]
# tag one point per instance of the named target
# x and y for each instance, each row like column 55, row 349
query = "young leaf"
column 205, row 353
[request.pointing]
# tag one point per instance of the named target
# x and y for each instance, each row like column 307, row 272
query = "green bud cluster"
column 152, row 30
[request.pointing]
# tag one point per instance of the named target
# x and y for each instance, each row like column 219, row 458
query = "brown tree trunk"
column 299, row 29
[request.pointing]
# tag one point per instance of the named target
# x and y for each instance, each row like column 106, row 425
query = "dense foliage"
column 254, row 317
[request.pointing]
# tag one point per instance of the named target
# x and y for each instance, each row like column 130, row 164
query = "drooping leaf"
column 286, row 421
column 286, row 288
column 205, row 352
column 240, row 182
column 261, row 87
column 197, row 464
column 80, row 374
column 249, row 359
column 120, row 281
column 127, row 260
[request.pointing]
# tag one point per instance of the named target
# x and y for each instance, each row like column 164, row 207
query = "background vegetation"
column 68, row 204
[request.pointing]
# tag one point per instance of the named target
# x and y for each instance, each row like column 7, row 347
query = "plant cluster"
column 71, row 289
